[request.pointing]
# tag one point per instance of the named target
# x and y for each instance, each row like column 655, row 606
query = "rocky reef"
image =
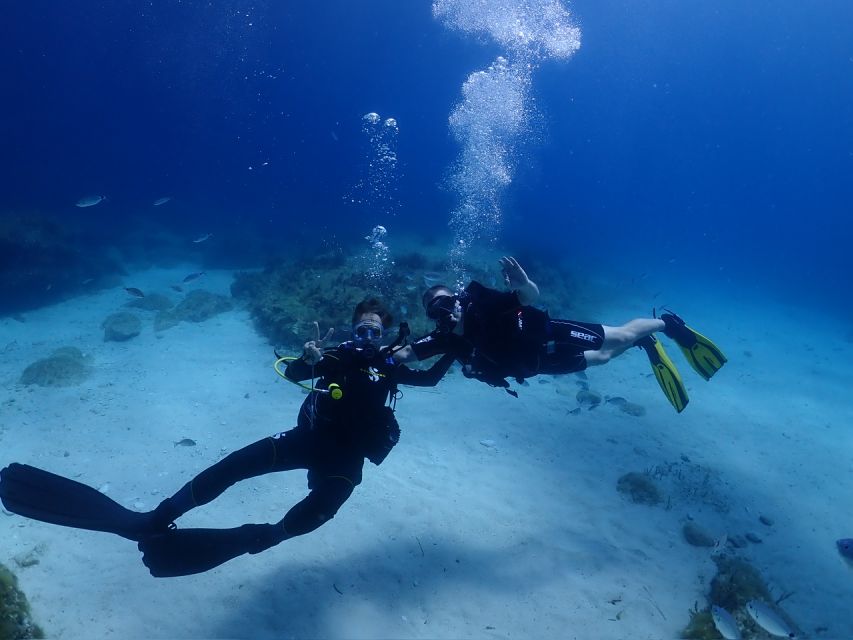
column 15, row 620
column 640, row 488
column 197, row 306
column 736, row 584
column 289, row 295
column 121, row 326
column 65, row 367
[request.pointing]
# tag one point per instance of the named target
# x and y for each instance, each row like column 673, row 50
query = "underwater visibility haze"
column 721, row 130
column 265, row 165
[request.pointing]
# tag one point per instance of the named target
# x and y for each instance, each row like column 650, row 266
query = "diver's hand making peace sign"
column 312, row 352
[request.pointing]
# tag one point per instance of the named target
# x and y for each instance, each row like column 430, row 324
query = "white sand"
column 449, row 538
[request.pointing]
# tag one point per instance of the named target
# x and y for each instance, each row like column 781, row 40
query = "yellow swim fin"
column 667, row 375
column 703, row 355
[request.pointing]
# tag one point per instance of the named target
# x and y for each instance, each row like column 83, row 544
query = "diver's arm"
column 405, row 354
column 309, row 364
column 528, row 293
column 428, row 378
column 302, row 369
column 430, row 345
column 298, row 370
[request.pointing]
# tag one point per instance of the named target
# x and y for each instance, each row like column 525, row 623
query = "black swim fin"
column 184, row 552
column 38, row 494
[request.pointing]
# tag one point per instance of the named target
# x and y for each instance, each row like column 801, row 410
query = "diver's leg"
column 318, row 507
column 183, row 552
column 336, row 472
column 568, row 342
column 617, row 340
column 282, row 452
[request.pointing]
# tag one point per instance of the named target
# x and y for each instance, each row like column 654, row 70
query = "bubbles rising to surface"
column 376, row 192
column 377, row 261
column 526, row 28
column 487, row 123
column 378, row 188
column 496, row 106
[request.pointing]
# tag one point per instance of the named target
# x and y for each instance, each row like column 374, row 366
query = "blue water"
column 717, row 135
column 692, row 153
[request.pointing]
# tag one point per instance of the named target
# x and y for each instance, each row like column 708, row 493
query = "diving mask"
column 367, row 332
column 445, row 310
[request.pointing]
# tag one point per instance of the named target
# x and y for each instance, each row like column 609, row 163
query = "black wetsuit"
column 331, row 440
column 502, row 338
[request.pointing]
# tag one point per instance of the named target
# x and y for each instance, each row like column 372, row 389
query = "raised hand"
column 514, row 275
column 516, row 280
column 312, row 352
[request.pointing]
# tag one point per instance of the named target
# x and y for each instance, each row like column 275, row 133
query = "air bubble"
column 494, row 113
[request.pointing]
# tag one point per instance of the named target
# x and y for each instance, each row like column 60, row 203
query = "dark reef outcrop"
column 286, row 298
column 197, row 306
column 289, row 295
column 42, row 261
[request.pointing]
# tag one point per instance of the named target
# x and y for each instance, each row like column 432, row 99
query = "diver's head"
column 435, row 291
column 443, row 306
column 369, row 320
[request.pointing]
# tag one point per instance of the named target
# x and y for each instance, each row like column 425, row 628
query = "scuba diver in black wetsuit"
column 348, row 416
column 497, row 334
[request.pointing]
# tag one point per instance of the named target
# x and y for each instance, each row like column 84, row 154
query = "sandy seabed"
column 494, row 517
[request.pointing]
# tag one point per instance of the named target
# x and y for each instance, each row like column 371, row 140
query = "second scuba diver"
column 497, row 334
column 347, row 416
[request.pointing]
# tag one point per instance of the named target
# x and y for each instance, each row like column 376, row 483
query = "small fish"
column 87, row 281
column 769, row 620
column 177, row 287
column 619, row 401
column 185, row 442
column 845, row 548
column 193, row 276
column 206, row 236
column 633, row 409
column 573, row 412
column 90, row 201
column 725, row 623
column 134, row 292
column 160, row 201
column 588, row 399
